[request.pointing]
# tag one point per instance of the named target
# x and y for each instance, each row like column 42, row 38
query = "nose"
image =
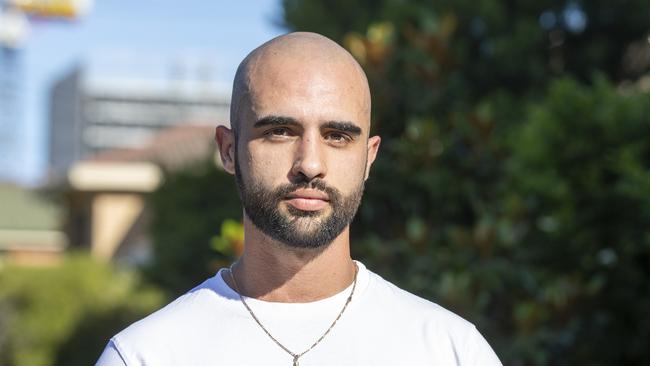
column 309, row 161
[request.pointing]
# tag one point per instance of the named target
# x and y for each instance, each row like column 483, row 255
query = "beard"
column 293, row 227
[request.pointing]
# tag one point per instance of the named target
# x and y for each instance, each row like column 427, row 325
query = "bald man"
column 300, row 149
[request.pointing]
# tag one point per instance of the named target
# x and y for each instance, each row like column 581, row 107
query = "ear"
column 373, row 147
column 226, row 143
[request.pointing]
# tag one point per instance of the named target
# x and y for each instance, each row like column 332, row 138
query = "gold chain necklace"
column 295, row 356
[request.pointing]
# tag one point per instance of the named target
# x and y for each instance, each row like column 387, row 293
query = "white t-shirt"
column 383, row 325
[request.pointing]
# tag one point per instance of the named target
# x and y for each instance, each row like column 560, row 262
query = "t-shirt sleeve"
column 478, row 352
column 111, row 356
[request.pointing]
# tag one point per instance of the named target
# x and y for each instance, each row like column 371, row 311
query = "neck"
column 272, row 271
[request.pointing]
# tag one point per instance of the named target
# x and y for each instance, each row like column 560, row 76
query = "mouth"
column 308, row 200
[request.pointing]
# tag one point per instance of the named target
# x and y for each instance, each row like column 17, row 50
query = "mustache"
column 318, row 184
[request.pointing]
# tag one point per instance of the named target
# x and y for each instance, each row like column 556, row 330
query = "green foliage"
column 42, row 310
column 188, row 211
column 512, row 185
column 231, row 240
column 580, row 164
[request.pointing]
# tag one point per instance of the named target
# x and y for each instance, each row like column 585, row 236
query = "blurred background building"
column 110, row 138
column 106, row 196
column 89, row 116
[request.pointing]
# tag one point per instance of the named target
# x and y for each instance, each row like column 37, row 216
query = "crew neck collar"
column 223, row 289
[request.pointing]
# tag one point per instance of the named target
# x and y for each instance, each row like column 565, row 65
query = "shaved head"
column 307, row 53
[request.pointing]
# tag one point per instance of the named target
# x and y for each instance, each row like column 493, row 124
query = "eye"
column 338, row 137
column 278, row 132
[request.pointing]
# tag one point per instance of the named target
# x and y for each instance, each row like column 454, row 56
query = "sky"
column 136, row 37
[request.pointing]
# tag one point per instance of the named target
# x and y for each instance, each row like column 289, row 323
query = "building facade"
column 90, row 116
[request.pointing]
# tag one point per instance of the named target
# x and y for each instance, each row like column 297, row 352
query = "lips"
column 308, row 199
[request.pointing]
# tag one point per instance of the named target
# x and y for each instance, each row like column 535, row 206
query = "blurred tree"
column 580, row 196
column 188, row 212
column 41, row 309
column 512, row 185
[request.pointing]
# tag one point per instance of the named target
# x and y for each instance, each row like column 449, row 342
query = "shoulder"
column 430, row 325
column 412, row 305
column 178, row 312
column 170, row 326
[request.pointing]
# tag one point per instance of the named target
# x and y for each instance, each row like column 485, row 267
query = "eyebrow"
column 276, row 121
column 343, row 126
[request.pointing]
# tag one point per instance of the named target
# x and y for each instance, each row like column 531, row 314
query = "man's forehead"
column 302, row 85
column 307, row 106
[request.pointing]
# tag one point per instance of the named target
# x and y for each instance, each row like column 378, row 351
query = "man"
column 300, row 151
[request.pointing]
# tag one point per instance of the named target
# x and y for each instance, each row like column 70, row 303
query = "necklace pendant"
column 295, row 361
